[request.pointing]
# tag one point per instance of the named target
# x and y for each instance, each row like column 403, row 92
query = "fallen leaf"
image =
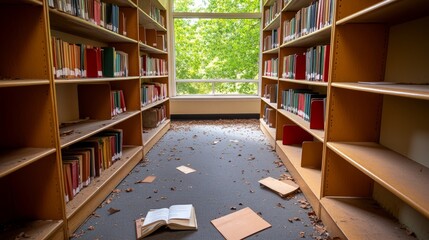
column 91, row 228
column 302, row 234
column 251, row 191
column 113, row 210
column 173, row 188
column 296, row 219
column 109, row 200
column 155, row 191
column 116, row 190
column 280, row 205
column 233, row 208
column 163, row 198
column 240, row 204
column 149, row 197
column 129, row 190
column 22, row 235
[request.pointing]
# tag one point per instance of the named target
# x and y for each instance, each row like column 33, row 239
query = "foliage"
column 216, row 49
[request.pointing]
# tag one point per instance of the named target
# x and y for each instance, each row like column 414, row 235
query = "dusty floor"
column 229, row 157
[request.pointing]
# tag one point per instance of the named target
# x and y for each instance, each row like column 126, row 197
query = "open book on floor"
column 176, row 217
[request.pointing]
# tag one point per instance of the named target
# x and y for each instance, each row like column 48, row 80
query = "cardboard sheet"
column 149, row 179
column 185, row 169
column 240, row 224
column 283, row 188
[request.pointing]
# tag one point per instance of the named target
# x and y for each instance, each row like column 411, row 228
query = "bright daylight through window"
column 216, row 47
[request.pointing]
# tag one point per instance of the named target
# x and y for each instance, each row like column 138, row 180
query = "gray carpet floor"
column 230, row 157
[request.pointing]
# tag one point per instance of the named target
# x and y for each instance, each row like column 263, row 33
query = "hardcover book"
column 176, row 217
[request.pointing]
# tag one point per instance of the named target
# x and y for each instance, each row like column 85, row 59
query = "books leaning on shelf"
column 272, row 12
column 271, row 67
column 153, row 66
column 307, row 20
column 84, row 161
column 306, row 104
column 272, row 41
column 153, row 117
column 270, row 92
column 100, row 13
column 269, row 116
column 81, row 60
column 117, row 102
column 176, row 217
column 152, row 92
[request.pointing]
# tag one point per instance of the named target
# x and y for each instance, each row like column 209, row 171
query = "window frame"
column 172, row 63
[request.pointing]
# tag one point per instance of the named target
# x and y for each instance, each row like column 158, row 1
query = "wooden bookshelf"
column 154, row 104
column 267, row 101
column 29, row 155
column 371, row 171
column 389, row 169
column 89, row 198
column 93, row 80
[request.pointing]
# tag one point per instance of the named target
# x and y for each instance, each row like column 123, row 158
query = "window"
column 216, row 47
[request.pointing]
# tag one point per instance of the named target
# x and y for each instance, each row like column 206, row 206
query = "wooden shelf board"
column 151, row 77
column 150, row 49
column 71, row 24
column 151, row 105
column 304, row 82
column 123, row 3
column 318, row 134
column 321, row 36
column 268, row 2
column 23, row 82
column 89, row 198
column 152, row 136
column 267, row 101
column 272, row 51
column 312, row 177
column 269, row 132
column 91, row 127
column 404, row 177
column 271, row 78
column 295, row 5
column 360, row 218
column 389, row 11
column 39, row 229
column 15, row 159
column 147, row 22
column 275, row 23
column 93, row 80
column 401, row 90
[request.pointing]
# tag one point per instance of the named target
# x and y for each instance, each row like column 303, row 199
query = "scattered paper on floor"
column 185, row 169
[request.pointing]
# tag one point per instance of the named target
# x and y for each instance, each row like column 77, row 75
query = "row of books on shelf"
column 153, row 117
column 103, row 14
column 307, row 20
column 272, row 41
column 271, row 67
column 311, row 65
column 270, row 92
column 118, row 102
column 152, row 92
column 269, row 116
column 306, row 104
column 81, row 60
column 150, row 66
column 153, row 11
column 272, row 12
column 86, row 160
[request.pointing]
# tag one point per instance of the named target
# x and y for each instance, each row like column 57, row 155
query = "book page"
column 180, row 211
column 156, row 215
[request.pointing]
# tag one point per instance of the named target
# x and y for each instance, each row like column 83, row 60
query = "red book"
column 91, row 63
column 317, row 113
column 294, row 134
column 299, row 66
column 326, row 63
